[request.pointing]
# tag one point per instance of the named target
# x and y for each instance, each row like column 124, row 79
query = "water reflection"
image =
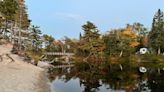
column 60, row 85
column 156, row 81
column 85, row 78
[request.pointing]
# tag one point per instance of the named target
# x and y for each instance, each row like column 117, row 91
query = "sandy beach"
column 19, row 76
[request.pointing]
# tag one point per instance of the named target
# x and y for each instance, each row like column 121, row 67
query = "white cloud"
column 70, row 16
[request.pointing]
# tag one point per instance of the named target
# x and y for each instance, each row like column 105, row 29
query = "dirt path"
column 19, row 76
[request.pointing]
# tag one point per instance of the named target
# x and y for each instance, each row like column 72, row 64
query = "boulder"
column 43, row 64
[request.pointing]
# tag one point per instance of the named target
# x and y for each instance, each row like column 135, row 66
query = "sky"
column 60, row 18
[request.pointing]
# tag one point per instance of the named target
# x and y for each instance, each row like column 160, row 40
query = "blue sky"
column 61, row 18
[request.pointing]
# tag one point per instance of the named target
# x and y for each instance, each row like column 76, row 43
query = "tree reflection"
column 92, row 77
column 156, row 81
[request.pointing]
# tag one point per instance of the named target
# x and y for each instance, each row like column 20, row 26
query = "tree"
column 91, row 45
column 120, row 41
column 35, row 36
column 21, row 16
column 71, row 44
column 49, row 42
column 156, row 38
column 141, row 32
column 116, row 43
column 1, row 23
column 8, row 10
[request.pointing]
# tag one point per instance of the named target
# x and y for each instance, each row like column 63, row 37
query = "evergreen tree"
column 49, row 42
column 21, row 16
column 91, row 45
column 156, row 36
column 36, row 38
column 140, row 30
column 8, row 10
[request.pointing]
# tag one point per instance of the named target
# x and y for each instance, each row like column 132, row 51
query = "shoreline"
column 20, row 76
column 44, row 83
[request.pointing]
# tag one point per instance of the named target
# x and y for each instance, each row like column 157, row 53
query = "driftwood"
column 12, row 60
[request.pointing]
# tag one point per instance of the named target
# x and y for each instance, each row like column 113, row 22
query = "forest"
column 129, row 58
column 113, row 46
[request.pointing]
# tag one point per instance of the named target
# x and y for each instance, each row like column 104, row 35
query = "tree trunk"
column 159, row 71
column 159, row 50
column 5, row 29
column 121, row 68
column 121, row 53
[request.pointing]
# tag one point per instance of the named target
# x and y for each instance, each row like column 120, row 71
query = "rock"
column 43, row 64
column 19, row 76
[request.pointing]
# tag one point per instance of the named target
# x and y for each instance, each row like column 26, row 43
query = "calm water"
column 84, row 79
column 73, row 85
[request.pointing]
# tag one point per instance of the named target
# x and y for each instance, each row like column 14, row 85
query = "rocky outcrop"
column 19, row 76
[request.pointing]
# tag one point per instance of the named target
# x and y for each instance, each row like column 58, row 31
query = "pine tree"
column 21, row 16
column 8, row 10
column 35, row 36
column 156, row 36
column 91, row 45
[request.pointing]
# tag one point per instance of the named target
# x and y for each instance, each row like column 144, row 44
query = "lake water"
column 82, row 79
column 73, row 85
